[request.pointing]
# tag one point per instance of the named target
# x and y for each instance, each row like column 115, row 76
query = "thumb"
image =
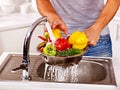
column 92, row 43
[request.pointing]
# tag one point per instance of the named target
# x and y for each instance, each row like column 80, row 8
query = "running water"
column 61, row 73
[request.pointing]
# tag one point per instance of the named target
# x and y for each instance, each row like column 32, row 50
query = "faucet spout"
column 26, row 59
column 28, row 37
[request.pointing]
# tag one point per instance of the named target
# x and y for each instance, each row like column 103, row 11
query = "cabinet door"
column 113, row 30
column 118, row 32
column 115, row 36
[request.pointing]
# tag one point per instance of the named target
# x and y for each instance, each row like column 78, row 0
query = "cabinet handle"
column 118, row 32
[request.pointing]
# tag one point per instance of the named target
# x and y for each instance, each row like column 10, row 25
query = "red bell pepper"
column 62, row 44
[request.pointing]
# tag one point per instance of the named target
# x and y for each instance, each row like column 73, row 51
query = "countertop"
column 28, row 85
column 13, row 21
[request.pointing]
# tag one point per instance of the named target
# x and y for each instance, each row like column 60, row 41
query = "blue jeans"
column 102, row 49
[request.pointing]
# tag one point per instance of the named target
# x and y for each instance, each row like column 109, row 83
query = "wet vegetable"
column 49, row 50
column 62, row 44
column 57, row 33
column 69, row 52
column 78, row 40
column 69, row 46
column 42, row 38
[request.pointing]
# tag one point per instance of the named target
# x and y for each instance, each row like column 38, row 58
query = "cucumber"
column 69, row 52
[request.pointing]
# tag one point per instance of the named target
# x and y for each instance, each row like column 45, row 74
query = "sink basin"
column 84, row 72
column 90, row 70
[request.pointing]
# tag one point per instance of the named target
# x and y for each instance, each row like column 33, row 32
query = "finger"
column 92, row 43
column 64, row 29
column 61, row 26
column 66, row 32
column 55, row 24
column 45, row 30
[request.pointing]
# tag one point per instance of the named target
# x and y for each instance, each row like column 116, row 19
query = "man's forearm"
column 45, row 8
column 107, row 14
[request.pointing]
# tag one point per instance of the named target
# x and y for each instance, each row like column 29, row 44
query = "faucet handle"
column 22, row 66
column 25, row 75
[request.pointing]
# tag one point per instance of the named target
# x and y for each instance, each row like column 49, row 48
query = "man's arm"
column 45, row 8
column 107, row 13
column 105, row 17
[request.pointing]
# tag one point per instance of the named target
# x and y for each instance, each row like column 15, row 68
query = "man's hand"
column 58, row 23
column 92, row 35
column 45, row 8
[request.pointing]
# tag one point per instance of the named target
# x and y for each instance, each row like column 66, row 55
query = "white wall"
column 12, row 40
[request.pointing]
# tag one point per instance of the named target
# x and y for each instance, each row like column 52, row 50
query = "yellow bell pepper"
column 73, row 36
column 79, row 46
column 57, row 33
column 78, row 40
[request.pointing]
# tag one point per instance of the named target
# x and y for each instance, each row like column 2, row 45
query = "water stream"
column 61, row 73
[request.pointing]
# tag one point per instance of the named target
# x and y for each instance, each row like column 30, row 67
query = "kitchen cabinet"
column 115, row 30
column 114, row 26
column 115, row 35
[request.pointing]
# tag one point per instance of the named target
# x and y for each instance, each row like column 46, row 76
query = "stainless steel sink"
column 90, row 70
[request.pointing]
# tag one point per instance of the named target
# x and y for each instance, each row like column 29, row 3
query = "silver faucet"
column 26, row 59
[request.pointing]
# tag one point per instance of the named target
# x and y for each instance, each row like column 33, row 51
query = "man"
column 89, row 16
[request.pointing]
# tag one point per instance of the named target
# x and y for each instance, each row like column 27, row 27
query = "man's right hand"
column 45, row 8
column 57, row 23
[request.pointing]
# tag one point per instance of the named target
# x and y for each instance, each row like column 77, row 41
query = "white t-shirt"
column 79, row 14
